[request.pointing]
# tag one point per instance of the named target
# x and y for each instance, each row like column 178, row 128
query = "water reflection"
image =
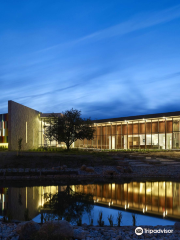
column 68, row 205
column 162, row 198
column 158, row 198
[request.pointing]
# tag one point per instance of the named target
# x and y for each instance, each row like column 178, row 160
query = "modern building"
column 153, row 131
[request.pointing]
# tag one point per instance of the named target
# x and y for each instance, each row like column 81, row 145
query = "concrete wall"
column 23, row 123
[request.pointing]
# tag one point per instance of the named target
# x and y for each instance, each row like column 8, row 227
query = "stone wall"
column 23, row 123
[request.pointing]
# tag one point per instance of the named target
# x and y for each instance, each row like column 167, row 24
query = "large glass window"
column 130, row 142
column 168, row 140
column 148, row 141
column 162, row 141
column 176, row 140
column 155, row 141
column 142, row 141
column 136, row 141
column 125, row 142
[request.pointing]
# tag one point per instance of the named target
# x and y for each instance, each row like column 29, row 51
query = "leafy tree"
column 69, row 127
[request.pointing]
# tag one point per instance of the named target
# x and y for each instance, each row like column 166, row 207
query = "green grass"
column 78, row 151
column 3, row 148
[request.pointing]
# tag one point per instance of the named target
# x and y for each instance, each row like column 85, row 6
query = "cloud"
column 47, row 93
column 138, row 22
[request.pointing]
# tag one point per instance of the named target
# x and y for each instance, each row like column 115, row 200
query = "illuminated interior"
column 4, row 130
column 150, row 133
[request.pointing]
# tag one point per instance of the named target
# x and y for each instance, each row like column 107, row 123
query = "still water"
column 153, row 202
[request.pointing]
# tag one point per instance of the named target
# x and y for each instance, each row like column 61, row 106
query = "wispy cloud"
column 47, row 93
column 137, row 22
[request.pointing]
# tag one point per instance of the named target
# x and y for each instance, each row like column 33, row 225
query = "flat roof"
column 139, row 117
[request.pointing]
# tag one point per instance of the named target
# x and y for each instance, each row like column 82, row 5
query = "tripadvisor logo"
column 139, row 231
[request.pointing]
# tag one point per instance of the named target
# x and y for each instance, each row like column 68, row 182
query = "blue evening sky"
column 106, row 58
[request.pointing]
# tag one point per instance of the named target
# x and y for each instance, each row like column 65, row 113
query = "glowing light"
column 112, row 203
column 146, row 208
column 125, row 206
column 128, row 205
column 109, row 204
column 143, row 210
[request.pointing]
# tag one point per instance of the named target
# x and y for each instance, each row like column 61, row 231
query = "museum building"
column 153, row 131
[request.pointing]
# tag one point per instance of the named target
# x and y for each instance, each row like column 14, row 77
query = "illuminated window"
column 26, row 132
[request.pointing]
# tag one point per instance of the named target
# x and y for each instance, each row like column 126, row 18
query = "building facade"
column 155, row 131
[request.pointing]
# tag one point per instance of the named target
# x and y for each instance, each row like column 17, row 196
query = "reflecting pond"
column 147, row 199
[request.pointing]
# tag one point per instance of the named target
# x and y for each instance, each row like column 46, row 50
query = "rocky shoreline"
column 26, row 230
